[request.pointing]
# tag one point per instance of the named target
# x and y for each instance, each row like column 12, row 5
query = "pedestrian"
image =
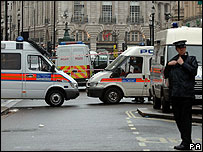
column 181, row 71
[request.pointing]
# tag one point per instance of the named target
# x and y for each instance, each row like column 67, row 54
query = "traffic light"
column 124, row 46
column 49, row 47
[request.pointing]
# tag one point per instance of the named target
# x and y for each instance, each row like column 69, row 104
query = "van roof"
column 139, row 51
column 193, row 35
column 29, row 45
column 11, row 45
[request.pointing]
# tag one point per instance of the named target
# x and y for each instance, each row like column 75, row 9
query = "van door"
column 37, row 77
column 131, row 73
column 11, row 75
column 80, row 63
column 134, row 79
column 146, row 74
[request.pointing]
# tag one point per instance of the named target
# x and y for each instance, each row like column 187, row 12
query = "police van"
column 127, row 76
column 75, row 60
column 27, row 73
column 164, row 50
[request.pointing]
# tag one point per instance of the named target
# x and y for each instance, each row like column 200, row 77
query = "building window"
column 128, row 36
column 107, row 35
column 159, row 13
column 166, row 8
column 85, row 36
column 134, row 11
column 78, row 10
column 134, row 36
column 99, row 38
column 79, row 35
column 107, row 11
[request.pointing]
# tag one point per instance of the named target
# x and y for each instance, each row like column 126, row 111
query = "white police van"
column 164, row 50
column 26, row 73
column 127, row 76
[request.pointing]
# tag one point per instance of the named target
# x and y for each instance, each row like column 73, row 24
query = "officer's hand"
column 180, row 61
column 172, row 62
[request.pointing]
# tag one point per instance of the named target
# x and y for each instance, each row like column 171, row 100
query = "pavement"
column 6, row 105
column 157, row 113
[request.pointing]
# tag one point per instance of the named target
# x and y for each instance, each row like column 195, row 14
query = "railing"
column 107, row 20
column 79, row 19
column 131, row 20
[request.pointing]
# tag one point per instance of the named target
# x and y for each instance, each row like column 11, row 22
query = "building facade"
column 99, row 24
column 193, row 13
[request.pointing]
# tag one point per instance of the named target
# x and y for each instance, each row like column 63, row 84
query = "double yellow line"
column 130, row 114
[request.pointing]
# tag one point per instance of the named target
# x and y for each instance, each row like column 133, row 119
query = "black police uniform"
column 181, row 91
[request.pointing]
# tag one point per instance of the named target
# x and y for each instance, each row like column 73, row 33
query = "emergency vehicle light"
column 174, row 25
column 19, row 39
column 67, row 43
column 141, row 44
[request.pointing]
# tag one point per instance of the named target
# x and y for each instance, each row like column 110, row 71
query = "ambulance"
column 75, row 60
column 164, row 50
column 27, row 73
column 127, row 76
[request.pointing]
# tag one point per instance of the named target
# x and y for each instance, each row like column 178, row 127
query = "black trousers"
column 182, row 110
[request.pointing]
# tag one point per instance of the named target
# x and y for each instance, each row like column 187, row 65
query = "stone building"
column 99, row 24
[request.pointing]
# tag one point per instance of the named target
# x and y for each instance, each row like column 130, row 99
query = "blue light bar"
column 62, row 43
column 141, row 44
column 174, row 25
column 19, row 39
column 80, row 42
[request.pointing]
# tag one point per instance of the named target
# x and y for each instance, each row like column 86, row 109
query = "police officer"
column 181, row 71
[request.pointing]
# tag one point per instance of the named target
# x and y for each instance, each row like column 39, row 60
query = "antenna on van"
column 39, row 48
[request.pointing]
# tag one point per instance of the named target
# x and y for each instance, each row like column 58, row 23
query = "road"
column 86, row 124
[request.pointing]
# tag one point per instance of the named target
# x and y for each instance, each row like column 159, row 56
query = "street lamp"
column 10, row 17
column 152, row 25
column 2, row 30
column 150, row 30
column 126, row 39
column 167, row 17
column 18, row 23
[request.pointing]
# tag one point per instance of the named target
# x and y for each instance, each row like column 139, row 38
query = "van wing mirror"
column 162, row 60
column 53, row 68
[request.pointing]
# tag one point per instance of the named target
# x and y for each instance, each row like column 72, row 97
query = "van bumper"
column 94, row 92
column 71, row 93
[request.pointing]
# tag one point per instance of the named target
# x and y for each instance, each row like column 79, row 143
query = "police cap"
column 180, row 43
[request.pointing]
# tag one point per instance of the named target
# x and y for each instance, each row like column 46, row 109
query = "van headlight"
column 93, row 84
column 74, row 85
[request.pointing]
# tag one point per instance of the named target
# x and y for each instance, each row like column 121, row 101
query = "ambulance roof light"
column 19, row 39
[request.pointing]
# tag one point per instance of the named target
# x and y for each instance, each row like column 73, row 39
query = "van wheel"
column 165, row 105
column 55, row 98
column 156, row 102
column 112, row 96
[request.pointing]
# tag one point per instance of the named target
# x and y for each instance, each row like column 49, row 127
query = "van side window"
column 10, row 61
column 135, row 64
column 37, row 63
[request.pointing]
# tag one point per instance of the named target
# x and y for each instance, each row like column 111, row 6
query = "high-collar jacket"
column 182, row 77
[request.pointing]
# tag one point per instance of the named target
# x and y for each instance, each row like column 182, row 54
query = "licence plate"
column 198, row 96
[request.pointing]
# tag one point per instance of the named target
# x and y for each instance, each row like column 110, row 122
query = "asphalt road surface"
column 86, row 124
